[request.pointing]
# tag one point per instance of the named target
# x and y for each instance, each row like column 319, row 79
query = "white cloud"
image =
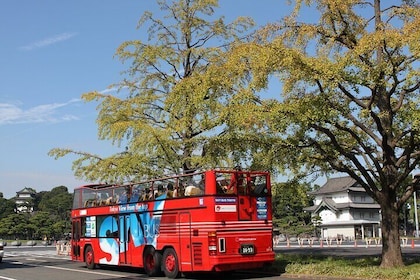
column 12, row 113
column 114, row 89
column 48, row 41
column 109, row 90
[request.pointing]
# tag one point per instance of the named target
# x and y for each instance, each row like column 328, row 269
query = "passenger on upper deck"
column 170, row 190
column 122, row 198
column 192, row 190
column 135, row 196
column 149, row 194
column 159, row 191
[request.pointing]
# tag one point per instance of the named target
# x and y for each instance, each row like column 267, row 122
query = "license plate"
column 247, row 249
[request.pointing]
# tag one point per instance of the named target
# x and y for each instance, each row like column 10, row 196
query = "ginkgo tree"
column 157, row 113
column 350, row 99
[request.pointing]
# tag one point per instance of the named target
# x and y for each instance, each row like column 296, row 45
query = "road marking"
column 85, row 271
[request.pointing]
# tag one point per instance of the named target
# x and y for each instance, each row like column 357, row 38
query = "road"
column 34, row 263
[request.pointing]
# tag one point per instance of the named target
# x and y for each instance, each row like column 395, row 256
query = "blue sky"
column 51, row 53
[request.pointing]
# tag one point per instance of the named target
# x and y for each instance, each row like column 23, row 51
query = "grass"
column 360, row 268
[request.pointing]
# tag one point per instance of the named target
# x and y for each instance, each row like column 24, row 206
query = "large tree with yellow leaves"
column 350, row 100
column 164, row 122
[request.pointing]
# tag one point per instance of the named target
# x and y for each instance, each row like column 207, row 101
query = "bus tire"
column 152, row 261
column 170, row 265
column 89, row 258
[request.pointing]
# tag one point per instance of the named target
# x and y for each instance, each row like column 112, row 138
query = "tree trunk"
column 391, row 246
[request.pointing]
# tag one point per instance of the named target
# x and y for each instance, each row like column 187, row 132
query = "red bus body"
column 224, row 224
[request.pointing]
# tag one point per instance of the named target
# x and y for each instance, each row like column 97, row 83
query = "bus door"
column 185, row 247
column 76, row 232
column 125, row 254
column 245, row 206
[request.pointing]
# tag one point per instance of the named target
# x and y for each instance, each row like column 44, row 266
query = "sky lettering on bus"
column 143, row 227
column 109, row 245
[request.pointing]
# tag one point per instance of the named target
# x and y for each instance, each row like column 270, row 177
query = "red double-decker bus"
column 211, row 221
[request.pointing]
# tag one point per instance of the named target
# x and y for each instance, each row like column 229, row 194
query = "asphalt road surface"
column 34, row 263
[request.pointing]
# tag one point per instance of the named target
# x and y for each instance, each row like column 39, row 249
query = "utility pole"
column 416, row 219
column 415, row 215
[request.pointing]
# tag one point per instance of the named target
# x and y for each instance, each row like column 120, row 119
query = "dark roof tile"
column 334, row 185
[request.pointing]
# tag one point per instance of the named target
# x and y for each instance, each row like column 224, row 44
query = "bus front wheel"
column 152, row 260
column 170, row 264
column 89, row 258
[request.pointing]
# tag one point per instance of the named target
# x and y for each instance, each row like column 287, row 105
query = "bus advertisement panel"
column 217, row 220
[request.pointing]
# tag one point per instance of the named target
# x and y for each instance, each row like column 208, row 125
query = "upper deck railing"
column 222, row 182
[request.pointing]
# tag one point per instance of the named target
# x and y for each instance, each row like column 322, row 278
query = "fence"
column 63, row 248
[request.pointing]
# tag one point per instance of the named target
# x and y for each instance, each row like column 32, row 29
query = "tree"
column 7, row 207
column 16, row 226
column 289, row 200
column 165, row 122
column 350, row 99
column 42, row 224
column 57, row 202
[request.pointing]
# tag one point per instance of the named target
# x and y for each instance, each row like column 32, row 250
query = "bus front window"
column 258, row 185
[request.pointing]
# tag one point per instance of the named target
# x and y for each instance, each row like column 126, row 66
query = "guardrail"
column 63, row 248
column 321, row 242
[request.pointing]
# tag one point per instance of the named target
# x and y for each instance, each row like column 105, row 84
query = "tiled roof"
column 26, row 190
column 334, row 185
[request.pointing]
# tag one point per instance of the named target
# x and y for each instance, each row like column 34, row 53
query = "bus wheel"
column 89, row 258
column 152, row 261
column 170, row 263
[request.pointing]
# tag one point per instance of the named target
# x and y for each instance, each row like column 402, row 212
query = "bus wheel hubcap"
column 170, row 262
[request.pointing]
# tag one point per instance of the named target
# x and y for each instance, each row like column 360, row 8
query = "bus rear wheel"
column 89, row 258
column 170, row 264
column 152, row 261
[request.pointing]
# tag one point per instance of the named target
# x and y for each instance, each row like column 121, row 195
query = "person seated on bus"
column 122, row 198
column 148, row 194
column 170, row 190
column 142, row 195
column 179, row 191
column 251, row 185
column 236, row 181
column 89, row 203
column 159, row 191
column 109, row 201
column 176, row 192
column 221, row 186
column 135, row 196
column 192, row 190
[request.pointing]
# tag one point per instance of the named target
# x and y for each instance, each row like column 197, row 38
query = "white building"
column 345, row 210
column 24, row 200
